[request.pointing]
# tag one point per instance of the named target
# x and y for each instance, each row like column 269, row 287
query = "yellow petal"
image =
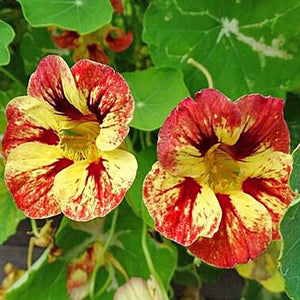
column 91, row 189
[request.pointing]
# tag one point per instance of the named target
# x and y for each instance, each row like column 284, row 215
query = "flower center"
column 79, row 144
column 222, row 170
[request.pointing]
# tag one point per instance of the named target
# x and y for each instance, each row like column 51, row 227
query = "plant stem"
column 34, row 228
column 107, row 282
column 205, row 72
column 148, row 139
column 142, row 139
column 150, row 262
column 12, row 77
column 102, row 252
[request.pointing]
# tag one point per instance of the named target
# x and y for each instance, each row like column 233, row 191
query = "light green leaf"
column 7, row 35
column 42, row 281
column 289, row 262
column 156, row 92
column 134, row 196
column 248, row 52
column 10, row 216
column 83, row 16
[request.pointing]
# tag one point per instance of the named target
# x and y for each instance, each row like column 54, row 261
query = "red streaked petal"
column 195, row 126
column 87, row 190
column 109, row 98
column 182, row 208
column 29, row 173
column 29, row 120
column 264, row 125
column 244, row 233
column 54, row 83
column 267, row 181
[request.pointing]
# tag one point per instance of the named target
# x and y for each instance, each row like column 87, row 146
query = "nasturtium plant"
column 147, row 147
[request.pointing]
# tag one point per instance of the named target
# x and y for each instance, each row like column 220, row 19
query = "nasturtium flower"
column 118, row 6
column 220, row 186
column 61, row 144
column 115, row 39
column 137, row 288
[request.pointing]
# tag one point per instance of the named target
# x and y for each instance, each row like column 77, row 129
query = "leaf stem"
column 102, row 252
column 12, row 77
column 150, row 262
column 205, row 72
column 34, row 228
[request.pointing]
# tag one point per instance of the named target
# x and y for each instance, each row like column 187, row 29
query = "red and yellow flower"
column 220, row 186
column 61, row 142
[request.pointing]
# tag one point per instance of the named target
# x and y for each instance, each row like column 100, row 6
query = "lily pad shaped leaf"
column 248, row 52
column 156, row 92
column 7, row 35
column 83, row 16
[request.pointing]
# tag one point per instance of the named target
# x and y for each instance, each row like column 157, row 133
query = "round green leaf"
column 83, row 16
column 7, row 35
column 156, row 92
column 289, row 262
column 248, row 52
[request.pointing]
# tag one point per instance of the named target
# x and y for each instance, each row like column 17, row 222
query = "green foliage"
column 156, row 92
column 295, row 175
column 253, row 290
column 245, row 52
column 290, row 267
column 42, row 281
column 6, row 37
column 83, row 16
column 145, row 158
column 291, row 114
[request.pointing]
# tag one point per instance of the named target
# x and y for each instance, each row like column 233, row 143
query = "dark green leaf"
column 145, row 159
column 253, row 290
column 156, row 92
column 295, row 175
column 83, row 16
column 248, row 52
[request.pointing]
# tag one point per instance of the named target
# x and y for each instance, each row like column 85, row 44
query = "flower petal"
column 264, row 125
column 29, row 120
column 29, row 173
column 87, row 190
column 245, row 231
column 182, row 208
column 267, row 181
column 109, row 98
column 195, row 126
column 54, row 83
